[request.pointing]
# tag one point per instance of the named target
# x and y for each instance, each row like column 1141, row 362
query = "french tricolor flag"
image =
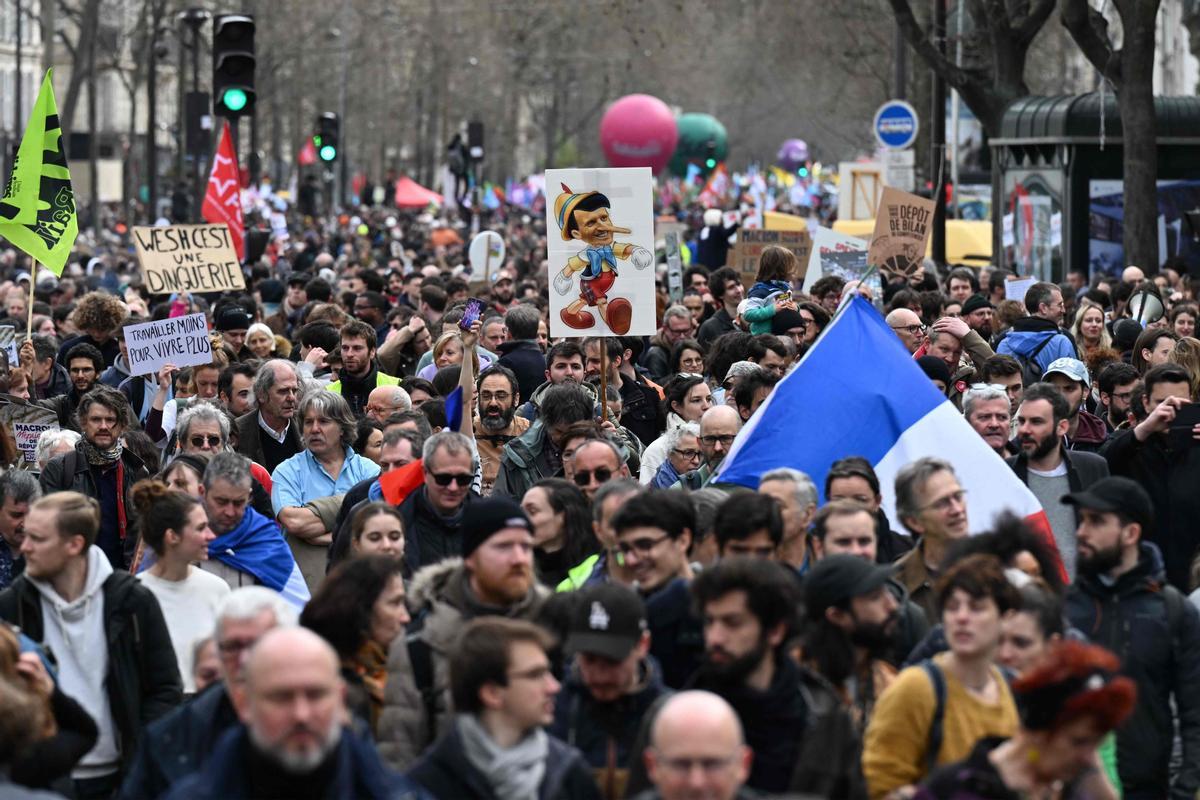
column 857, row 392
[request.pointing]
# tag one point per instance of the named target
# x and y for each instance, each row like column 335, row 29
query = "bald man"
column 383, row 401
column 292, row 741
column 908, row 328
column 690, row 730
column 1132, row 274
column 719, row 426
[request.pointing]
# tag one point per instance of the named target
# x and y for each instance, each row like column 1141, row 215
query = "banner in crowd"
column 890, row 414
column 26, row 435
column 600, row 243
column 746, row 253
column 37, row 214
column 188, row 258
column 179, row 341
column 223, row 197
column 26, row 422
column 902, row 225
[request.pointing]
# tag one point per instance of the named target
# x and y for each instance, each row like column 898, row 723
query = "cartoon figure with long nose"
column 584, row 216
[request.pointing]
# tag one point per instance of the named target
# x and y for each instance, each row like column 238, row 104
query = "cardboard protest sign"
column 26, row 435
column 902, row 226
column 750, row 245
column 1015, row 288
column 600, row 243
column 826, row 243
column 188, row 258
column 181, row 341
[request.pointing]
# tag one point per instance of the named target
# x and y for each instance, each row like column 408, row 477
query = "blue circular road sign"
column 896, row 125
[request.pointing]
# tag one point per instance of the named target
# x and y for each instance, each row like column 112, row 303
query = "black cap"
column 974, row 303
column 271, row 290
column 301, row 278
column 1121, row 495
column 784, row 320
column 484, row 518
column 837, row 578
column 609, row 620
column 1126, row 333
column 233, row 318
column 935, row 369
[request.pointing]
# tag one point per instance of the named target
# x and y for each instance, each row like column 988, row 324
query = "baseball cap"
column 608, row 620
column 1116, row 494
column 484, row 518
column 974, row 303
column 233, row 318
column 1073, row 368
column 837, row 578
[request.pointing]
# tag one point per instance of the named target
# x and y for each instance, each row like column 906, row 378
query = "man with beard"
column 358, row 374
column 802, row 738
column 1117, row 382
column 1120, row 602
column 496, row 423
column 1085, row 431
column 84, row 365
column 977, row 313
column 853, row 617
column 986, row 409
column 102, row 468
column 537, row 453
column 611, row 681
column 502, row 289
column 271, row 435
column 1048, row 469
column 293, row 740
column 494, row 577
column 564, row 364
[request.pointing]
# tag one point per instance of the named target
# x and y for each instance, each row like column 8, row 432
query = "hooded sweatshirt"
column 74, row 632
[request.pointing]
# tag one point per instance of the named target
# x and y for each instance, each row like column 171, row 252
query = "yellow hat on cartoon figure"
column 566, row 203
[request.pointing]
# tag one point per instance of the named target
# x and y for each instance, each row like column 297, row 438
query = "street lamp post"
column 194, row 18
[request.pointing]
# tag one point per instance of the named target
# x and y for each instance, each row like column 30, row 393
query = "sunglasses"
column 198, row 441
column 584, row 477
column 462, row 479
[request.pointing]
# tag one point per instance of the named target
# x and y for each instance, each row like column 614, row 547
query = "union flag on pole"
column 223, row 198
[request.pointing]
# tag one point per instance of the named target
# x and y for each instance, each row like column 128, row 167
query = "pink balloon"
column 638, row 131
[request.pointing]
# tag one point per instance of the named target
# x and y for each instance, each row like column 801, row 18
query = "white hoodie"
column 74, row 632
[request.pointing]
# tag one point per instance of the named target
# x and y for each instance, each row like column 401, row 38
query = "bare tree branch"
column 1028, row 28
column 1089, row 29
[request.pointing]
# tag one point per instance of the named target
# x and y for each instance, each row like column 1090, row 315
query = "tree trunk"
column 1135, row 100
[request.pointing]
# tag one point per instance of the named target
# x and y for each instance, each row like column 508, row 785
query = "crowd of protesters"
column 371, row 552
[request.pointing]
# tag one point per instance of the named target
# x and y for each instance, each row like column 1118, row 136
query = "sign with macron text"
column 179, row 341
column 188, row 258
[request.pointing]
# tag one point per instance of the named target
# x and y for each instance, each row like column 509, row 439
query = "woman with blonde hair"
column 1187, row 355
column 1089, row 330
column 448, row 352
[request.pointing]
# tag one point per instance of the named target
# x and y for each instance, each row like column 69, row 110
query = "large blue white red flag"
column 857, row 392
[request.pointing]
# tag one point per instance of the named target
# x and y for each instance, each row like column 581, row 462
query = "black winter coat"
column 445, row 772
column 428, row 536
column 143, row 676
column 528, row 363
column 1133, row 618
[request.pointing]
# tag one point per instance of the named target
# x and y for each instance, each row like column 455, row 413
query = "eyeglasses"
column 462, row 479
column 726, row 440
column 199, row 441
column 1126, row 396
column 231, row 646
column 499, row 397
column 944, row 503
column 687, row 455
column 912, row 330
column 583, row 477
column 643, row 545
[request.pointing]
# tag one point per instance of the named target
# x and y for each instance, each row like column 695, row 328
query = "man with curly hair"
column 98, row 315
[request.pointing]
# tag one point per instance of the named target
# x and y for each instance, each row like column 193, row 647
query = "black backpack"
column 1031, row 370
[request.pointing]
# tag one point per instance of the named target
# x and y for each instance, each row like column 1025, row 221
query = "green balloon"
column 696, row 131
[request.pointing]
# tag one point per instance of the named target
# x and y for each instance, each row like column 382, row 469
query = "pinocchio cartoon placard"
column 600, row 235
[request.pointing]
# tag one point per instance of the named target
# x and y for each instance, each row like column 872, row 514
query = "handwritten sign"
column 751, row 243
column 902, row 226
column 1015, row 288
column 26, row 435
column 188, row 258
column 181, row 341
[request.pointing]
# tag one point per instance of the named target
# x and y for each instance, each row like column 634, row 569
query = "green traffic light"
column 234, row 99
column 316, row 140
column 711, row 163
column 328, row 152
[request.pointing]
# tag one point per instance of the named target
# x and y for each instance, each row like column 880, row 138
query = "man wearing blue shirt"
column 326, row 466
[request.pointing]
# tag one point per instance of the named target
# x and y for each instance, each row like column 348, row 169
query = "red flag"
column 308, row 153
column 399, row 483
column 223, row 199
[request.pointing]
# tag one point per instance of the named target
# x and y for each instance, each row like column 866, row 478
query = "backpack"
column 939, row 713
column 1031, row 371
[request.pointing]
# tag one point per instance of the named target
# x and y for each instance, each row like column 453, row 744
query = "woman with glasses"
column 175, row 526
column 687, row 398
column 562, row 528
column 683, row 455
column 687, row 358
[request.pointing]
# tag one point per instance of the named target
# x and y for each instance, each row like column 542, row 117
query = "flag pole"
column 603, row 379
column 32, row 285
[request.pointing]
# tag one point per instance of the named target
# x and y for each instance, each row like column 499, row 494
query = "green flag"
column 37, row 213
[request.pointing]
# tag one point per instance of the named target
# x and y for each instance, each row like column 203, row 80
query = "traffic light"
column 327, row 136
column 233, row 64
column 710, row 149
column 475, row 140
